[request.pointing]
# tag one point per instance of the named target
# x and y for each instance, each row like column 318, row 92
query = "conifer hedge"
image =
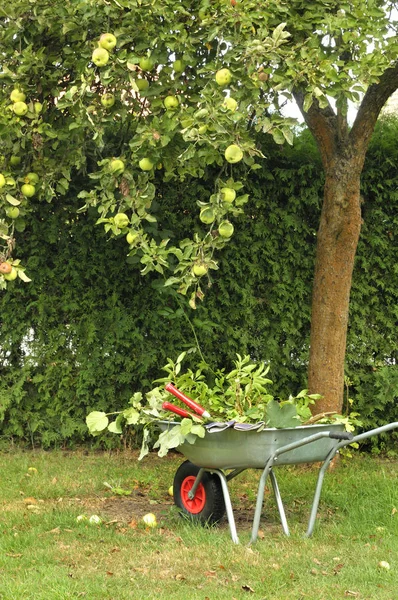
column 90, row 330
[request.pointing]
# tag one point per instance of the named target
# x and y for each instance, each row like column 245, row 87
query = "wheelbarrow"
column 201, row 483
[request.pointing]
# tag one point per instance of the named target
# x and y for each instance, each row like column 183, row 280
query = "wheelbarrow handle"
column 341, row 435
column 169, row 387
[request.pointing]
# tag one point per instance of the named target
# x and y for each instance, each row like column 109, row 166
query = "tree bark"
column 338, row 236
column 343, row 153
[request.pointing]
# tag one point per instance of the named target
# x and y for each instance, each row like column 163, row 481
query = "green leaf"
column 115, row 427
column 96, row 422
column 281, row 415
column 308, row 100
column 11, row 200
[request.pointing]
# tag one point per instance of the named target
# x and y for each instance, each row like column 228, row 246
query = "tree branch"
column 370, row 108
column 322, row 122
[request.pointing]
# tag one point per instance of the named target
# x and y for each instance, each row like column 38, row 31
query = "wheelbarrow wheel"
column 207, row 506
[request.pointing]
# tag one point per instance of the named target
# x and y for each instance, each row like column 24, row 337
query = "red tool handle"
column 175, row 409
column 188, row 401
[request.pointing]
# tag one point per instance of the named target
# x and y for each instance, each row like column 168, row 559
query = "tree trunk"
column 343, row 153
column 337, row 241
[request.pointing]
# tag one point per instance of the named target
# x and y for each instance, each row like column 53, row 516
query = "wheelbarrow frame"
column 306, row 444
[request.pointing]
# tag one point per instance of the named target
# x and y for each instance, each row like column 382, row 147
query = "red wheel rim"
column 197, row 503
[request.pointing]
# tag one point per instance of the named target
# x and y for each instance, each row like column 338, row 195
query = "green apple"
column 207, row 215
column 202, row 129
column 95, row 520
column 15, row 161
column 142, row 84
column 121, row 220
column 199, row 269
column 146, row 63
column 171, row 491
column 107, row 100
column 223, row 77
column 228, row 194
column 178, row 66
column 231, row 104
column 37, row 107
column 226, row 229
column 146, row 164
column 2, row 180
column 31, row 178
column 149, row 520
column 131, row 237
column 100, row 57
column 263, row 76
column 11, row 275
column 28, row 190
column 233, row 154
column 17, row 96
column 20, row 108
column 116, row 166
column 107, row 41
column 171, row 102
column 12, row 212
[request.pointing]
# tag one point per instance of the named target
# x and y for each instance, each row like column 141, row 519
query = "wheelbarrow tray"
column 236, row 449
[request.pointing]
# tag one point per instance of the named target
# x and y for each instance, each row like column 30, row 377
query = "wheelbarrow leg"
column 317, row 495
column 279, row 503
column 228, row 505
column 260, row 499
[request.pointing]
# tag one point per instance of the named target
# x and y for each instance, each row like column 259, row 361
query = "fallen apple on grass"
column 95, row 520
column 150, row 520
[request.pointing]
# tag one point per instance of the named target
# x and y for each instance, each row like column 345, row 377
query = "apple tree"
column 103, row 99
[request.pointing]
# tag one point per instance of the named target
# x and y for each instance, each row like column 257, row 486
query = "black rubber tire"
column 214, row 505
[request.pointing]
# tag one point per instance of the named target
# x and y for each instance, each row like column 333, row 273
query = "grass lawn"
column 46, row 554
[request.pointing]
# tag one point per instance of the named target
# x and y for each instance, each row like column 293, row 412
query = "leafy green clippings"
column 239, row 395
column 281, row 415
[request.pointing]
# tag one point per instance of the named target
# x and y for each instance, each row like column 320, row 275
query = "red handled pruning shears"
column 188, row 401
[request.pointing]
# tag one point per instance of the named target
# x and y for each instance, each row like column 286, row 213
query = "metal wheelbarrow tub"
column 201, row 486
column 232, row 449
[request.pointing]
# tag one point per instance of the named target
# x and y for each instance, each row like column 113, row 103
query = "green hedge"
column 89, row 330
